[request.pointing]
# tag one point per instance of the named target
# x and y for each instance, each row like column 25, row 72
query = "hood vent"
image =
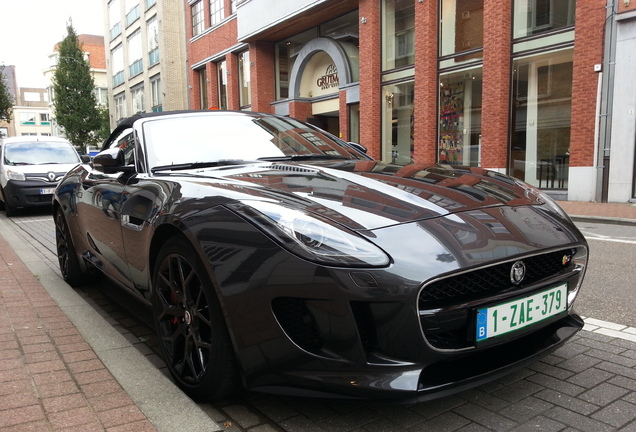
column 292, row 168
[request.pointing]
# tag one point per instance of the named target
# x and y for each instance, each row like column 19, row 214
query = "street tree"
column 6, row 101
column 74, row 99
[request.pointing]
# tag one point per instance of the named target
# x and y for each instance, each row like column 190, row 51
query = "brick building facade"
column 509, row 86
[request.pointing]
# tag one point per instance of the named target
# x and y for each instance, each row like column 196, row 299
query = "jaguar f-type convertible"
column 278, row 258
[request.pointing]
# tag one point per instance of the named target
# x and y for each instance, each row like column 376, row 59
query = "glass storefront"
column 245, row 94
column 541, row 118
column 398, row 123
column 460, row 108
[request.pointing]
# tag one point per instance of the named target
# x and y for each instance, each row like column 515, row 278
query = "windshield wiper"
column 302, row 157
column 195, row 165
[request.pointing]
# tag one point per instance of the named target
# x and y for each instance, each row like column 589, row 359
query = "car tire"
column 193, row 336
column 66, row 253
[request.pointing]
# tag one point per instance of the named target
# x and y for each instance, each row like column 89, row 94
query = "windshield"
column 232, row 137
column 39, row 153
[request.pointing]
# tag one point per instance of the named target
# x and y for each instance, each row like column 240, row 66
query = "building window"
column 118, row 65
column 233, row 6
column 27, row 118
column 398, row 29
column 541, row 118
column 132, row 11
column 203, row 88
column 460, row 107
column 101, row 96
column 462, row 27
column 197, row 18
column 45, row 119
column 245, row 97
column 120, row 107
column 397, row 130
column 156, row 94
column 137, row 94
column 354, row 123
column 152, row 31
column 222, row 80
column 114, row 19
column 135, row 56
column 150, row 3
column 533, row 17
column 216, row 11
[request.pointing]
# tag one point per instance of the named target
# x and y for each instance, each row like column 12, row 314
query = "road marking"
column 610, row 329
column 610, row 240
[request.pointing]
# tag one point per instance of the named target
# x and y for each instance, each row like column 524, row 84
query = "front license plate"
column 48, row 191
column 520, row 313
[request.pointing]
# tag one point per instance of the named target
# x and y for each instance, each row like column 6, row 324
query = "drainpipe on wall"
column 607, row 100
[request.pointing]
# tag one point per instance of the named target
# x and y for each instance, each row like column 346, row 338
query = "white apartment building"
column 146, row 57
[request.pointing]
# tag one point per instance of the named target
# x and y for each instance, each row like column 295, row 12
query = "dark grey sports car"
column 279, row 258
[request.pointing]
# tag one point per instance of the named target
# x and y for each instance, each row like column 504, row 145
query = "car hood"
column 42, row 168
column 370, row 194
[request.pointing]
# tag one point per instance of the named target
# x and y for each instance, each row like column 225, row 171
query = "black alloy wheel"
column 192, row 333
column 66, row 254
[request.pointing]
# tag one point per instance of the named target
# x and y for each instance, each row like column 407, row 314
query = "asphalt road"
column 609, row 288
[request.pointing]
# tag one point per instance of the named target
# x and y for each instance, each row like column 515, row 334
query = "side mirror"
column 359, row 147
column 85, row 159
column 111, row 161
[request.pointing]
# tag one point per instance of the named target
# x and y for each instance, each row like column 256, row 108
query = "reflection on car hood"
column 370, row 194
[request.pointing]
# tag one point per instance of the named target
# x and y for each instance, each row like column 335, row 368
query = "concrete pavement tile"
column 618, row 414
column 603, row 394
column 526, row 410
column 568, row 402
column 542, row 424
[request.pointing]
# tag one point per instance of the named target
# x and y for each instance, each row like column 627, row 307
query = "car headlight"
column 15, row 175
column 313, row 237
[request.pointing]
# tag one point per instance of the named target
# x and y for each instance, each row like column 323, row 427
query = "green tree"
column 74, row 98
column 6, row 101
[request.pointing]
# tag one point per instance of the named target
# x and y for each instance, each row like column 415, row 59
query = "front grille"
column 446, row 326
column 490, row 280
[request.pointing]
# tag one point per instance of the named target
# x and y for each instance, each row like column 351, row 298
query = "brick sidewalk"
column 50, row 378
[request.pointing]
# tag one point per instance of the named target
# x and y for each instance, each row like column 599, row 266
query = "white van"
column 30, row 169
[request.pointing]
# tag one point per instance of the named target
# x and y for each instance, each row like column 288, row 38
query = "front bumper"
column 28, row 193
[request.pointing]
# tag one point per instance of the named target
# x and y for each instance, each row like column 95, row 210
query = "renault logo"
column 51, row 176
column 517, row 272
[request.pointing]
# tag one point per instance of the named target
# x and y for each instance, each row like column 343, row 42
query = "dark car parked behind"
column 279, row 258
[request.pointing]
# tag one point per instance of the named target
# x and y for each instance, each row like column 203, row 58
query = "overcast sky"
column 31, row 28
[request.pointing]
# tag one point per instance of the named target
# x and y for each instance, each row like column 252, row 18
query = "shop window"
column 532, row 17
column 541, row 118
column 460, row 107
column 27, row 118
column 398, row 123
column 398, row 29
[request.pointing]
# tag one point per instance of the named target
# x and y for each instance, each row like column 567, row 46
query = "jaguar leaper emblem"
column 517, row 272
